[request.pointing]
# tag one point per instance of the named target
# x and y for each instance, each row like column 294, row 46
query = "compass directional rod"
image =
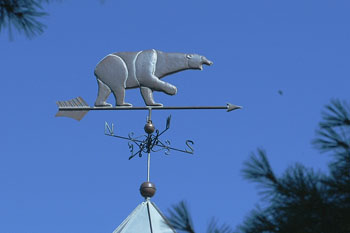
column 158, row 145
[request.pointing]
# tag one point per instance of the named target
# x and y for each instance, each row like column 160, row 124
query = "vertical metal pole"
column 149, row 114
column 148, row 164
column 149, row 152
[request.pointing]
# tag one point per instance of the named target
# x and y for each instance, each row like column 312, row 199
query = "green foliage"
column 180, row 218
column 215, row 228
column 301, row 200
column 23, row 15
column 334, row 137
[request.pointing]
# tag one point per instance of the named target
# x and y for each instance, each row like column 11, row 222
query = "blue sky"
column 58, row 175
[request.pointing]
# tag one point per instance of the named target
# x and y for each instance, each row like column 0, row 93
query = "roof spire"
column 146, row 217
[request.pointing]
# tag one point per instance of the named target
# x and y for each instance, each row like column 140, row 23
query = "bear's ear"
column 189, row 56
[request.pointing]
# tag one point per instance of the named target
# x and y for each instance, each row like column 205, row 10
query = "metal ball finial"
column 149, row 127
column 147, row 189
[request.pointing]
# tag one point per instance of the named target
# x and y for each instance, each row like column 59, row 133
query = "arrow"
column 77, row 108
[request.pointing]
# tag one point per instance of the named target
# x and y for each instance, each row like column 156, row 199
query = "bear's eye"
column 189, row 56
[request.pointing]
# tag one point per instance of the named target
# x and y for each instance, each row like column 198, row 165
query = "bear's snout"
column 206, row 61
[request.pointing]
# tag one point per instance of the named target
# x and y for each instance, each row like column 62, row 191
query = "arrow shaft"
column 140, row 108
column 77, row 108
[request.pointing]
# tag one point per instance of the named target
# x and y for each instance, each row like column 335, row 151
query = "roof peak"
column 146, row 218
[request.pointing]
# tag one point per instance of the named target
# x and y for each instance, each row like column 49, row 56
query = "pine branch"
column 333, row 136
column 180, row 218
column 258, row 222
column 337, row 114
column 23, row 15
column 302, row 200
column 334, row 129
column 258, row 169
column 214, row 228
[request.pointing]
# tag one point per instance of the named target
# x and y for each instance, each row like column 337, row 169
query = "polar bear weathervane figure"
column 144, row 69
column 118, row 72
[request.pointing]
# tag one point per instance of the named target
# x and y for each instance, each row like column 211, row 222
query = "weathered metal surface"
column 147, row 189
column 146, row 218
column 76, row 103
column 149, row 127
column 71, row 108
column 124, row 70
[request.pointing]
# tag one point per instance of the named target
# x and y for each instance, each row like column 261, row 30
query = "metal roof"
column 146, row 218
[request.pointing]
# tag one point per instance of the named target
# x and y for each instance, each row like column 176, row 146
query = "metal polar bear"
column 144, row 69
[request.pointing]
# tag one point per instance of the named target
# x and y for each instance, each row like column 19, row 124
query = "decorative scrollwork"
column 167, row 149
column 131, row 147
column 150, row 142
column 131, row 136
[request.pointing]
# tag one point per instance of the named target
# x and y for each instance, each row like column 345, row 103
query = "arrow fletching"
column 71, row 104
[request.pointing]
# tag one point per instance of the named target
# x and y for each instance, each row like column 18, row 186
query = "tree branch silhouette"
column 22, row 15
column 301, row 200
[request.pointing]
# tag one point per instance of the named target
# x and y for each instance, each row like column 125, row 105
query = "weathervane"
column 120, row 71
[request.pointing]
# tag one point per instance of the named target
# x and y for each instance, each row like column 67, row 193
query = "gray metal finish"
column 146, row 218
column 76, row 103
column 124, row 70
column 70, row 109
column 147, row 189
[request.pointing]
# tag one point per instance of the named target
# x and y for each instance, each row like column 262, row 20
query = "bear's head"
column 196, row 61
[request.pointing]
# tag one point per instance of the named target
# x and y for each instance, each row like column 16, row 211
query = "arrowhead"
column 231, row 107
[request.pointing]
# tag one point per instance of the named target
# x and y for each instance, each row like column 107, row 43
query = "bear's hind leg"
column 103, row 93
column 113, row 73
column 147, row 95
column 119, row 93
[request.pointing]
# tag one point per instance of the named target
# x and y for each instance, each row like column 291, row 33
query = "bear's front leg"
column 155, row 84
column 147, row 95
column 168, row 88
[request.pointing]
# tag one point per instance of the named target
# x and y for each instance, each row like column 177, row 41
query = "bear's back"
column 129, row 59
